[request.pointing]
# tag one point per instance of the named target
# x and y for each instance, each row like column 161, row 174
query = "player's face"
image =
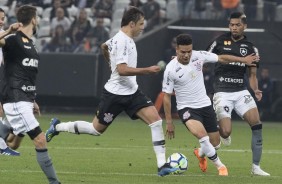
column 237, row 28
column 184, row 53
column 138, row 27
column 2, row 19
column 35, row 23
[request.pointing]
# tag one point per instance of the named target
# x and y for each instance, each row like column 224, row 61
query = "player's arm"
column 168, row 117
column 36, row 109
column 12, row 28
column 105, row 52
column 2, row 40
column 254, row 82
column 125, row 70
column 249, row 60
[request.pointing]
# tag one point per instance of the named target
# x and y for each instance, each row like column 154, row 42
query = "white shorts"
column 20, row 116
column 225, row 102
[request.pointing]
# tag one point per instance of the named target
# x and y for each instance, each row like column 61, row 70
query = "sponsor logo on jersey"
column 25, row 40
column 180, row 76
column 167, row 78
column 244, row 45
column 226, row 48
column 198, row 66
column 27, row 47
column 28, row 88
column 124, row 51
column 205, row 52
column 177, row 69
column 212, row 46
column 243, row 51
column 108, row 117
column 231, row 80
column 227, row 42
column 195, row 59
column 30, row 62
column 238, row 64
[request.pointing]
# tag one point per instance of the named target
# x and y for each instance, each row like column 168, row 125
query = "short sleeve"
column 209, row 57
column 168, row 82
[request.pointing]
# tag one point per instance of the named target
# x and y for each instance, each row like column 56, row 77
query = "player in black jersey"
column 230, row 87
column 18, row 86
column 4, row 149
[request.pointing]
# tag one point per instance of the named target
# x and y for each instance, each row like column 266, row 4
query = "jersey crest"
column 243, row 51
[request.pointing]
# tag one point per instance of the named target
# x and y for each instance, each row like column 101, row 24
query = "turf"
column 124, row 155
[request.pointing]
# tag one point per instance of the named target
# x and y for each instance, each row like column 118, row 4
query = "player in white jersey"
column 121, row 92
column 184, row 77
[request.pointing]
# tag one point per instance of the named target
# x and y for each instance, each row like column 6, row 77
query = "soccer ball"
column 178, row 160
column 162, row 65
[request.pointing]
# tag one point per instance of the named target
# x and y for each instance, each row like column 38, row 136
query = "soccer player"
column 184, row 77
column 4, row 149
column 20, row 70
column 121, row 92
column 230, row 87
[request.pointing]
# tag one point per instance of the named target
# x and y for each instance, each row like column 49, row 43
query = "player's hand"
column 14, row 27
column 106, row 54
column 154, row 69
column 251, row 60
column 258, row 94
column 170, row 130
column 36, row 109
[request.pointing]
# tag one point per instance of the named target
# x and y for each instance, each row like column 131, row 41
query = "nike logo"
column 181, row 76
column 148, row 101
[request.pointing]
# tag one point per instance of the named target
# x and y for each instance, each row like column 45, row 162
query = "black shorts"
column 205, row 115
column 112, row 105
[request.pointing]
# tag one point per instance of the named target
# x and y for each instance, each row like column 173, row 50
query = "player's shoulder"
column 10, row 36
column 200, row 53
column 172, row 64
column 223, row 37
column 121, row 38
column 247, row 42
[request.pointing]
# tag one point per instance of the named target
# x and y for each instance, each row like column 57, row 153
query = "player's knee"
column 225, row 134
column 13, row 145
column 224, row 131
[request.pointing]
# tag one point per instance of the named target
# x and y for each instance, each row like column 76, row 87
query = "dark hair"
column 1, row 10
column 239, row 15
column 132, row 14
column 25, row 14
column 184, row 39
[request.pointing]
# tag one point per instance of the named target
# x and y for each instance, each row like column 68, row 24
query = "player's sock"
column 4, row 129
column 3, row 144
column 201, row 154
column 46, row 165
column 158, row 142
column 209, row 151
column 257, row 143
column 77, row 127
column 218, row 146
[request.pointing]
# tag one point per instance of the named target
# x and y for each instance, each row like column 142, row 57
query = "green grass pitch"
column 124, row 155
